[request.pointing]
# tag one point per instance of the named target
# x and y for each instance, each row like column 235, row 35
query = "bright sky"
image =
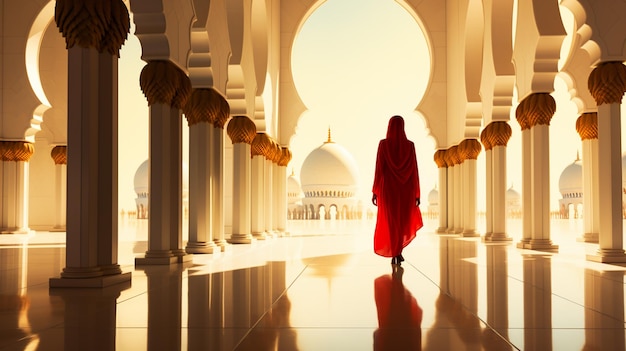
column 355, row 63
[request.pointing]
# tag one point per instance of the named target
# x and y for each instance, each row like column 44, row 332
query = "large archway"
column 353, row 68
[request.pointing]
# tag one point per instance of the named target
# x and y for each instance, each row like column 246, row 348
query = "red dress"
column 396, row 186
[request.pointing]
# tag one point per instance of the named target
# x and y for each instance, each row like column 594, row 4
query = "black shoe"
column 394, row 260
column 399, row 259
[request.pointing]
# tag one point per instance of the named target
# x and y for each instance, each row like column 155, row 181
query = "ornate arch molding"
column 602, row 22
column 577, row 67
column 163, row 28
column 538, row 38
column 291, row 105
column 31, row 57
column 498, row 76
column 200, row 60
column 473, row 60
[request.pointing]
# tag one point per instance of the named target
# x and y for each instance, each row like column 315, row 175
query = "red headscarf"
column 396, row 185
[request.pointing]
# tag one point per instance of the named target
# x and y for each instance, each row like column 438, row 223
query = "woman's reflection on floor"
column 399, row 315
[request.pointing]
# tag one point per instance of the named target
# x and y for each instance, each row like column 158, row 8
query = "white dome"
column 330, row 166
column 433, row 197
column 141, row 177
column 141, row 180
column 512, row 194
column 571, row 180
column 294, row 190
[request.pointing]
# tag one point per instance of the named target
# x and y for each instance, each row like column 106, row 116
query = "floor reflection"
column 399, row 315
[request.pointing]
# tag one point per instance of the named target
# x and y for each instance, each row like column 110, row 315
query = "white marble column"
column 282, row 206
column 241, row 131
column 268, row 195
column 92, row 236
column 59, row 155
column 470, row 148
column 217, row 175
column 260, row 144
column 458, row 191
column 608, row 92
column 14, row 157
column 442, row 165
column 165, row 154
column 451, row 160
column 526, row 188
column 486, row 141
column 500, row 133
column 201, row 111
column 587, row 128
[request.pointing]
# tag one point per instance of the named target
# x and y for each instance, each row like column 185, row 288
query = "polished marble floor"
column 321, row 288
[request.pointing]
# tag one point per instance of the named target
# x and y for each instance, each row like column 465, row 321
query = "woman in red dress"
column 396, row 192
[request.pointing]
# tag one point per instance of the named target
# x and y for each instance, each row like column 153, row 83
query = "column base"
column 522, row 243
column 497, row 237
column 93, row 282
column 58, row 229
column 222, row 244
column 15, row 231
column 608, row 256
column 442, row 230
column 157, row 257
column 241, row 239
column 544, row 245
column 197, row 247
column 589, row 238
column 469, row 233
column 112, row 269
column 260, row 236
column 182, row 256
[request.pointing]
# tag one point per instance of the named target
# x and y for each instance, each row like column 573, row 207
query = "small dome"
column 141, row 177
column 141, row 180
column 571, row 180
column 330, row 164
column 433, row 197
column 512, row 194
column 294, row 190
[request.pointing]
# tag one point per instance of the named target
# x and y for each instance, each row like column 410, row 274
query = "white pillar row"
column 59, row 156
column 451, row 161
column 282, row 206
column 14, row 157
column 165, row 97
column 442, row 165
column 217, row 176
column 276, row 190
column 201, row 111
column 587, row 128
column 522, row 119
column 92, row 139
column 260, row 143
column 268, row 192
column 241, row 131
column 458, row 190
column 469, row 149
column 499, row 133
column 486, row 141
column 607, row 84
column 540, row 109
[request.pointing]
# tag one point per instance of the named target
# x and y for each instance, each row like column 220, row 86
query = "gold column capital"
column 162, row 82
column 241, row 129
column 59, row 154
column 204, row 106
column 261, row 144
column 587, row 126
column 440, row 158
column 607, row 82
column 538, row 108
column 469, row 149
column 286, row 156
column 484, row 138
column 499, row 133
column 16, row 151
column 454, row 156
column 102, row 25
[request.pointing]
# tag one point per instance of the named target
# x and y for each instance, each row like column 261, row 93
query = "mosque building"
column 330, row 182
column 142, row 190
column 222, row 72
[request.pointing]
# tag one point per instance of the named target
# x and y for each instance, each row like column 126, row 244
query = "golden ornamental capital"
column 454, row 155
column 16, row 151
column 469, row 149
column 203, row 106
column 286, row 156
column 485, row 138
column 162, row 82
column 241, row 129
column 607, row 82
column 440, row 158
column 274, row 153
column 102, row 25
column 522, row 117
column 260, row 144
column 59, row 154
column 538, row 108
column 499, row 133
column 587, row 126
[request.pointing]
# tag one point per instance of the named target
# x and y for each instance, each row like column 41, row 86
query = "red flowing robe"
column 396, row 186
